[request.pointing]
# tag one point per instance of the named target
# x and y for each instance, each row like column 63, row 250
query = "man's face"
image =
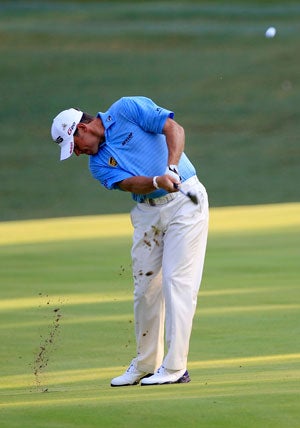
column 85, row 142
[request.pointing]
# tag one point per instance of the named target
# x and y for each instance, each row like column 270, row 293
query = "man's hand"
column 167, row 182
column 173, row 171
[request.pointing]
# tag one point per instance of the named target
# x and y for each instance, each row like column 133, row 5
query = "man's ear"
column 82, row 126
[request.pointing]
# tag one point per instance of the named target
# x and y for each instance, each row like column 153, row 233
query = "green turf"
column 237, row 95
column 244, row 355
column 235, row 92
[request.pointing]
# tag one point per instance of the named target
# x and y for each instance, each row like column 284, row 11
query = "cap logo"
column 64, row 125
column 59, row 140
column 71, row 128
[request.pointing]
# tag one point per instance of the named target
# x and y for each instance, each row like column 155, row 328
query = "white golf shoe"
column 132, row 376
column 164, row 376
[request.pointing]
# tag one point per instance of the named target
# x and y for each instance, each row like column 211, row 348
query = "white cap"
column 63, row 127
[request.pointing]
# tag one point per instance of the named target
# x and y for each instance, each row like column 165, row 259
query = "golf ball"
column 271, row 32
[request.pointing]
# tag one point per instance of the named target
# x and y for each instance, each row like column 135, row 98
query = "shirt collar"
column 106, row 118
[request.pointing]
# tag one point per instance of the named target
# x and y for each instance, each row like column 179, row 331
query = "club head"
column 193, row 198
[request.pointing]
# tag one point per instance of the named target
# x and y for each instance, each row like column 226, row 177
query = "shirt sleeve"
column 145, row 113
column 108, row 176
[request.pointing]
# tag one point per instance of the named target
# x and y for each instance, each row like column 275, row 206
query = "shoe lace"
column 131, row 368
column 161, row 370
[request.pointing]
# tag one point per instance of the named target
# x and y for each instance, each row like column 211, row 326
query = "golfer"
column 136, row 146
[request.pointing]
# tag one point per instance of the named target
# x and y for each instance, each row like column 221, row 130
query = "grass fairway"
column 67, row 326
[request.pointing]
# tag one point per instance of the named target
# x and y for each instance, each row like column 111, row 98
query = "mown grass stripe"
column 228, row 219
column 79, row 375
column 86, row 298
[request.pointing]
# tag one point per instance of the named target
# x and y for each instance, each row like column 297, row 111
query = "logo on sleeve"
column 112, row 161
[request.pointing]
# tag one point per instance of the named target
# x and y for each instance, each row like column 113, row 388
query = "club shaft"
column 183, row 192
column 193, row 198
column 180, row 190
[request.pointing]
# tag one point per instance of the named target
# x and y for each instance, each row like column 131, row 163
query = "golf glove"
column 172, row 170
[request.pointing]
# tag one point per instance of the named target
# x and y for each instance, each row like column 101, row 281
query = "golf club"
column 192, row 197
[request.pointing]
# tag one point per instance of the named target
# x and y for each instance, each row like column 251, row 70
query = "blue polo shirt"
column 134, row 145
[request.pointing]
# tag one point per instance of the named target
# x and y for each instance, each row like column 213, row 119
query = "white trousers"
column 168, row 254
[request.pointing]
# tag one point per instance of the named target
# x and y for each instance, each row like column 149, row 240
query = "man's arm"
column 143, row 185
column 175, row 138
